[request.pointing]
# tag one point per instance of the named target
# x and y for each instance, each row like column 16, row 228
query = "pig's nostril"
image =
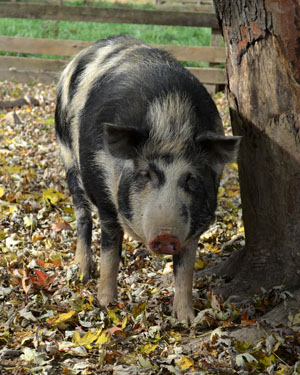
column 156, row 245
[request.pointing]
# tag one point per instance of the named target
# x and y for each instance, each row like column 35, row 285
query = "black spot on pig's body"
column 61, row 126
column 159, row 177
column 124, row 199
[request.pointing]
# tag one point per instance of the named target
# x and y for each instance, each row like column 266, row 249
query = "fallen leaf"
column 61, row 319
column 52, row 196
column 185, row 363
column 116, row 331
column 245, row 321
column 61, row 225
column 11, row 118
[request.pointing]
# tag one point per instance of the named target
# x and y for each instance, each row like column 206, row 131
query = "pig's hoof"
column 86, row 269
column 105, row 298
column 87, row 273
column 184, row 312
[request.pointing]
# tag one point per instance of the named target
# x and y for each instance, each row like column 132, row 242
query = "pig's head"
column 167, row 191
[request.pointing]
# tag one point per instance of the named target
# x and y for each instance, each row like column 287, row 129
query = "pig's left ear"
column 123, row 142
column 221, row 149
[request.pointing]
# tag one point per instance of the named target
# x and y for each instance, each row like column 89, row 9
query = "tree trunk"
column 262, row 39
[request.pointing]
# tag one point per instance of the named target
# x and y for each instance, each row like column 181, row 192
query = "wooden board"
column 33, row 64
column 28, row 77
column 108, row 15
column 69, row 48
column 210, row 2
column 213, row 76
column 197, row 54
column 24, row 69
column 39, row 46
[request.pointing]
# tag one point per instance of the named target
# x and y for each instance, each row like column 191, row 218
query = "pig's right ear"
column 221, row 149
column 123, row 142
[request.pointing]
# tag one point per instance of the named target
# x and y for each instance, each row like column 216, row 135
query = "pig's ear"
column 122, row 142
column 221, row 149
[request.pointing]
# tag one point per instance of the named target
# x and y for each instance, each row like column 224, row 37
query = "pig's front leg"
column 111, row 246
column 183, row 266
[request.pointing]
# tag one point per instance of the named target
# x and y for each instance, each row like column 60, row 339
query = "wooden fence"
column 192, row 5
column 29, row 69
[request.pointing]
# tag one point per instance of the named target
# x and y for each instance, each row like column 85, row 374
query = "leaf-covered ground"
column 50, row 322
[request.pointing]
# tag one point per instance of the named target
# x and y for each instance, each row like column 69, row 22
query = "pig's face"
column 167, row 191
column 166, row 201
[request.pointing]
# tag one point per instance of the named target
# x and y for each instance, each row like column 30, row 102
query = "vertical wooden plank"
column 216, row 40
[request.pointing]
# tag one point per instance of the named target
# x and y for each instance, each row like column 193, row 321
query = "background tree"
column 262, row 39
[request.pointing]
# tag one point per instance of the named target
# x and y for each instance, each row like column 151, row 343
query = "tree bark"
column 262, row 39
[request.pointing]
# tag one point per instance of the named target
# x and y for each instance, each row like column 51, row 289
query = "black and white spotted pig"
column 142, row 140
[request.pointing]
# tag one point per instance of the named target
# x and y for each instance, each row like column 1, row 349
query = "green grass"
column 92, row 31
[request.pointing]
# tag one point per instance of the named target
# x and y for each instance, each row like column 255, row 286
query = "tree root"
column 250, row 272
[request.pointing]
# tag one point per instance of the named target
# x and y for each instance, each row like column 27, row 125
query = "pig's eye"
column 191, row 182
column 144, row 175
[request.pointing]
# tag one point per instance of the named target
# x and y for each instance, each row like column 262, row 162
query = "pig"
column 142, row 141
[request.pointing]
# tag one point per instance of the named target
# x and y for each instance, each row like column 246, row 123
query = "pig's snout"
column 165, row 243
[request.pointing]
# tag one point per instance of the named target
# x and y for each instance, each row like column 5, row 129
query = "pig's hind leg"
column 84, row 224
column 183, row 266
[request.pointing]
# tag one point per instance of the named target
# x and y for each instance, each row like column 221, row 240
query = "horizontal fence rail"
column 57, row 47
column 26, row 69
column 107, row 15
column 190, row 5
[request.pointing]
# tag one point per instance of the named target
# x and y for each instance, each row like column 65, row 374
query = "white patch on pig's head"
column 171, row 120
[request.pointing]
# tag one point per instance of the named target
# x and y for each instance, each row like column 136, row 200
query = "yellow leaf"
column 103, row 339
column 242, row 346
column 235, row 166
column 267, row 361
column 68, row 210
column 113, row 316
column 199, row 264
column 221, row 192
column 13, row 169
column 61, row 318
column 284, row 370
column 52, row 196
column 185, row 363
column 76, row 337
column 147, row 349
column 175, row 335
column 13, row 208
column 2, row 191
column 124, row 322
column 87, row 339
column 138, row 309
